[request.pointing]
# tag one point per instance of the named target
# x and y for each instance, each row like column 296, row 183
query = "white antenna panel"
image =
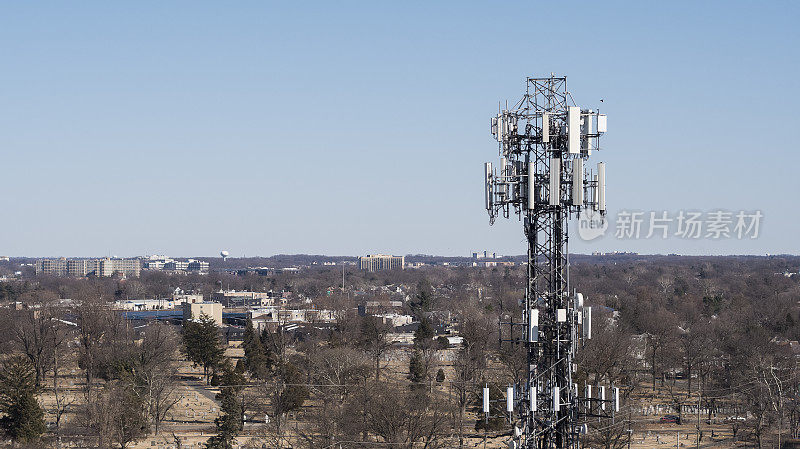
column 602, row 123
column 577, row 181
column 488, row 168
column 531, row 185
column 616, row 398
column 510, row 399
column 588, row 128
column 588, row 122
column 493, row 126
column 588, row 392
column 499, row 128
column 485, row 399
column 578, row 300
column 545, row 127
column 561, row 315
column 533, row 326
column 574, row 129
column 532, row 394
column 587, row 323
column 555, row 181
column 601, row 186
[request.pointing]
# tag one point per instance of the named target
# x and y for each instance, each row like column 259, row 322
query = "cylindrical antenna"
column 556, row 400
column 602, row 397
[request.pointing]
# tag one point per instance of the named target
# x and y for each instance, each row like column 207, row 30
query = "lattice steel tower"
column 544, row 142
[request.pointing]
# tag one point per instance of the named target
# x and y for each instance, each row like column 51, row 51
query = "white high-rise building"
column 377, row 262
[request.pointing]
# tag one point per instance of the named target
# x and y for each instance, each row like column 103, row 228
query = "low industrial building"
column 267, row 316
column 193, row 311
column 169, row 264
column 394, row 319
column 143, row 304
column 233, row 298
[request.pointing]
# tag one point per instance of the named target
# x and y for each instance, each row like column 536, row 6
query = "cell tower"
column 544, row 144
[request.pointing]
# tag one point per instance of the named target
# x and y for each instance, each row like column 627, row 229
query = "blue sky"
column 357, row 127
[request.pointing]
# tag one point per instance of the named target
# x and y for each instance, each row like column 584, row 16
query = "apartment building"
column 88, row 267
column 378, row 262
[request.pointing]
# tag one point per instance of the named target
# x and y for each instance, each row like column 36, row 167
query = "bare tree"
column 337, row 373
column 607, row 356
column 33, row 332
column 157, row 371
column 405, row 418
column 469, row 365
column 660, row 343
column 374, row 339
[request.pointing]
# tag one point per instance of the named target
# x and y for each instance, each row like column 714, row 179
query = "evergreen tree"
column 416, row 368
column 201, row 340
column 423, row 336
column 256, row 360
column 229, row 423
column 293, row 393
column 423, row 300
column 24, row 418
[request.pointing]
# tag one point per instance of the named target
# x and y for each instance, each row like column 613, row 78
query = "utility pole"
column 544, row 142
